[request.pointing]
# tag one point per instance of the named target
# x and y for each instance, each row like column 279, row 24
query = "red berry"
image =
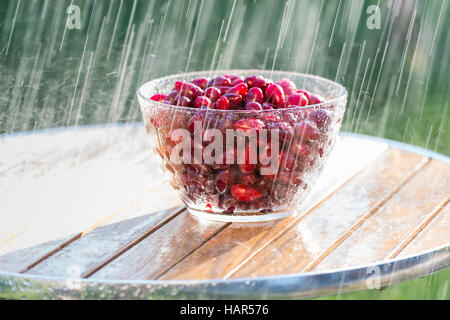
column 224, row 179
column 182, row 101
column 290, row 117
column 306, row 130
column 299, row 148
column 172, row 96
column 270, row 117
column 222, row 103
column 244, row 161
column 158, row 97
column 306, row 93
column 236, row 81
column 256, row 81
column 285, row 131
column 223, row 89
column 320, row 117
column 288, row 86
column 198, row 117
column 253, row 106
column 296, row 99
column 177, row 85
column 202, row 101
column 190, row 90
column 244, row 193
column 212, row 93
column 233, row 77
column 246, row 124
column 315, row 99
column 233, row 98
column 287, row 161
column 267, row 106
column 275, row 95
column 254, row 94
column 224, row 123
column 219, row 81
column 240, row 89
column 200, row 82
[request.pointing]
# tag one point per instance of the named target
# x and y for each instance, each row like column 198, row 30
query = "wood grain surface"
column 95, row 200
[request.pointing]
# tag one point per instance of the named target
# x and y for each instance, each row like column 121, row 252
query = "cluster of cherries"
column 241, row 187
column 233, row 92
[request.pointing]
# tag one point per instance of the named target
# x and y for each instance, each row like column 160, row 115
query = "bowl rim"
column 342, row 94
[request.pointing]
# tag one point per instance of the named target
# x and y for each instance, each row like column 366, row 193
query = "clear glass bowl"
column 242, row 188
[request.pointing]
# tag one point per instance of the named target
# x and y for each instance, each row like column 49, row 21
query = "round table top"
column 87, row 213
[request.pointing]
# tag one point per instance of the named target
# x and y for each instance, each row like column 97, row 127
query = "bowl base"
column 246, row 216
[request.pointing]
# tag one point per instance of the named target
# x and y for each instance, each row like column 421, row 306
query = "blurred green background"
column 395, row 63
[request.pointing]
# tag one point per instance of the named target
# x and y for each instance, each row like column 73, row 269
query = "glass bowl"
column 241, row 165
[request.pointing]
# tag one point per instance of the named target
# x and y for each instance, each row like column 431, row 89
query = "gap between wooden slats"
column 384, row 235
column 134, row 242
column 113, row 271
column 418, row 229
column 359, row 223
column 365, row 217
column 434, row 235
column 109, row 233
column 245, row 251
column 161, row 249
column 131, row 243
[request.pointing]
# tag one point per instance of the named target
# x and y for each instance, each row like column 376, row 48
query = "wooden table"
column 87, row 213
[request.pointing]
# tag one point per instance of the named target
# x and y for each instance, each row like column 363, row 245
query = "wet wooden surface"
column 95, row 200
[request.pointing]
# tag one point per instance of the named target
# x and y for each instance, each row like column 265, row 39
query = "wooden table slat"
column 114, row 230
column 342, row 151
column 84, row 254
column 94, row 200
column 435, row 234
column 428, row 219
column 305, row 241
column 162, row 249
column 395, row 221
column 57, row 207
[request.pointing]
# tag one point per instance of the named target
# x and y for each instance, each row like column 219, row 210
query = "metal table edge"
column 299, row 285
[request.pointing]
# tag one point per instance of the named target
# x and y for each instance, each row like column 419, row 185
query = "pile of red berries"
column 233, row 92
column 304, row 137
